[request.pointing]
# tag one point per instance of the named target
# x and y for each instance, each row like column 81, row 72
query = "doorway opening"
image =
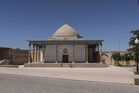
column 65, row 58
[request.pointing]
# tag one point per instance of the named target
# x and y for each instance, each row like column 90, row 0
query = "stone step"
column 65, row 65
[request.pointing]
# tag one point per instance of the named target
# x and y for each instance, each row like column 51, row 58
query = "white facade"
column 79, row 53
column 54, row 53
column 50, row 53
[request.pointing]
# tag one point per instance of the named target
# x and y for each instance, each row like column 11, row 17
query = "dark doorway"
column 92, row 54
column 65, row 58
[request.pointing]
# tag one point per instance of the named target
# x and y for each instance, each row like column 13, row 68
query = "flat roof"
column 42, row 42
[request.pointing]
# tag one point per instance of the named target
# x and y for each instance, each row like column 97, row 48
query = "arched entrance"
column 105, row 58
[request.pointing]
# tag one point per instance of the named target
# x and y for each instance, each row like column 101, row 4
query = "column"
column 39, row 54
column 100, row 52
column 29, row 56
column 36, row 53
column 33, row 52
column 56, row 54
column 73, row 59
column 43, row 53
column 86, row 53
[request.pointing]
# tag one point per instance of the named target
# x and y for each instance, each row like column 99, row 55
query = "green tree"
column 132, row 49
column 127, row 58
column 116, row 57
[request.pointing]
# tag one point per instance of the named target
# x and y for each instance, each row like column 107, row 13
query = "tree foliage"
column 135, row 34
column 116, row 56
column 122, row 57
column 132, row 49
column 127, row 57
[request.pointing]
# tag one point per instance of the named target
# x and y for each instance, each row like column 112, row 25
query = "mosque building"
column 65, row 46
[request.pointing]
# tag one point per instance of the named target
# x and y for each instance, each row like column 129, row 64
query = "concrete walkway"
column 110, row 74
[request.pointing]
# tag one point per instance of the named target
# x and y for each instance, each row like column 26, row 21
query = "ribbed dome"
column 65, row 32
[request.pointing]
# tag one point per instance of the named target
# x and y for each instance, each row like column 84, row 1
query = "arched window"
column 65, row 51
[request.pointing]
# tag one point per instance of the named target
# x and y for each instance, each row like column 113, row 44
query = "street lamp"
column 137, row 54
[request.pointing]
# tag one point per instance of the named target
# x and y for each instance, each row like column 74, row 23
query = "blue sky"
column 109, row 20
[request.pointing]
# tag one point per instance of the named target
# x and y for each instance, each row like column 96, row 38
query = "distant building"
column 11, row 56
column 65, row 46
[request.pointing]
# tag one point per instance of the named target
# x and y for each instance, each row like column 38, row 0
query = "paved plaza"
column 28, row 84
column 109, row 74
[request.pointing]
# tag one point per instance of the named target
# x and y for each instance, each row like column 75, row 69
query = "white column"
column 41, row 55
column 29, row 56
column 44, row 53
column 38, row 54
